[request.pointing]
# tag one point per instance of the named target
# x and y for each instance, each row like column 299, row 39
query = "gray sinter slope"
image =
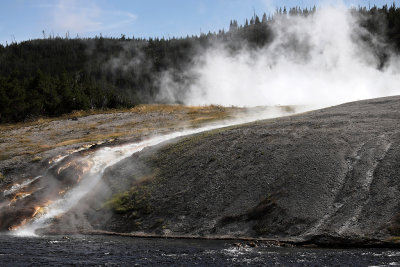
column 329, row 172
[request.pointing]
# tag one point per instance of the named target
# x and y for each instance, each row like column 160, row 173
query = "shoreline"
column 251, row 241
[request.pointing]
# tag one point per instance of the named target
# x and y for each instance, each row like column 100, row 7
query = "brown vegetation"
column 82, row 127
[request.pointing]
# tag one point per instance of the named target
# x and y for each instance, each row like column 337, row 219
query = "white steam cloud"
column 316, row 60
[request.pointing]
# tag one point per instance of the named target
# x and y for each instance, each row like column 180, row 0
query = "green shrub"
column 135, row 200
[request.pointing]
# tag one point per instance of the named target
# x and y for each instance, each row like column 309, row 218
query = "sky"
column 22, row 20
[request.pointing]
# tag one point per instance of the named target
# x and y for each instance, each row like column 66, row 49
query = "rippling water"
column 126, row 251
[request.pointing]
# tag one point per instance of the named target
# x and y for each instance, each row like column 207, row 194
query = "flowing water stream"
column 92, row 167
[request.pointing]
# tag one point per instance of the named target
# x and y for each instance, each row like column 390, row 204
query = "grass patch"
column 175, row 108
column 145, row 108
column 44, row 120
column 37, row 159
column 130, row 124
column 43, row 136
column 135, row 201
column 25, row 140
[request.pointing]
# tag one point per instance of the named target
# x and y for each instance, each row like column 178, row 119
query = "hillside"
column 43, row 162
column 328, row 177
column 25, row 147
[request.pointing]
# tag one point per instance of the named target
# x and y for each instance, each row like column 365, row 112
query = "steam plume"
column 317, row 60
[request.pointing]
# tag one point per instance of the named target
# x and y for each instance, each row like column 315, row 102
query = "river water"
column 127, row 251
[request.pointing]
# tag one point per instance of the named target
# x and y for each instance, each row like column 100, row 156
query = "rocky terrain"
column 28, row 146
column 43, row 160
column 325, row 177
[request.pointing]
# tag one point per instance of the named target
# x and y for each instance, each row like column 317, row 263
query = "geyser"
column 320, row 59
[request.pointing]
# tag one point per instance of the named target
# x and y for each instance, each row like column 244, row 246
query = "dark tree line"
column 49, row 77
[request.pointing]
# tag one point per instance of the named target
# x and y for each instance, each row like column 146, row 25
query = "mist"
column 318, row 60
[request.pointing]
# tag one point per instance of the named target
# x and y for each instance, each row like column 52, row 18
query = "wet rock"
column 327, row 173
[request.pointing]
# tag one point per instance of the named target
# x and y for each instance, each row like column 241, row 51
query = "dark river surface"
column 127, row 251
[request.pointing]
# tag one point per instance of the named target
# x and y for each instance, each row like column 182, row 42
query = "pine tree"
column 264, row 19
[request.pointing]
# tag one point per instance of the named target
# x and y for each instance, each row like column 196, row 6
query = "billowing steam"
column 317, row 60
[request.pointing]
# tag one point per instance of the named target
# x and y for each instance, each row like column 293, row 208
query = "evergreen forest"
column 56, row 75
